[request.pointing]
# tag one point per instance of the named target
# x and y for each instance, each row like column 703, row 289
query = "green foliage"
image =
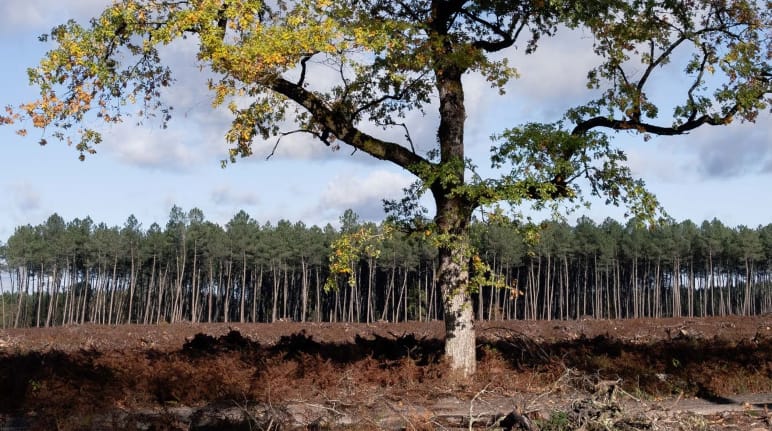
column 558, row 421
column 408, row 214
column 353, row 244
column 728, row 60
column 483, row 275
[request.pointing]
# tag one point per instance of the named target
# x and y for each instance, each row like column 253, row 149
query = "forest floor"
column 680, row 374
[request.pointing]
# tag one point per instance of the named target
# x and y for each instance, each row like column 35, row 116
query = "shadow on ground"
column 64, row 390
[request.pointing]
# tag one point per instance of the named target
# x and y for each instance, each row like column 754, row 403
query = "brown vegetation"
column 373, row 376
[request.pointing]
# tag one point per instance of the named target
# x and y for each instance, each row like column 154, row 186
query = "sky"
column 723, row 173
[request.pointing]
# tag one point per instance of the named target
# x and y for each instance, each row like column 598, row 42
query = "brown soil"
column 321, row 375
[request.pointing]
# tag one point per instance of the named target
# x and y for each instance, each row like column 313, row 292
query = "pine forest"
column 74, row 272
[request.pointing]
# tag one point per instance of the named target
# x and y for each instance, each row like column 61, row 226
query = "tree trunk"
column 318, row 310
column 676, row 286
column 227, row 296
column 176, row 312
column 2, row 294
column 194, row 285
column 23, row 281
column 255, row 291
column 369, row 312
column 39, row 294
column 243, row 289
column 454, row 284
column 389, row 288
column 690, row 294
column 53, row 283
column 432, row 313
column 303, row 289
column 132, row 286
column 548, row 290
column 161, row 284
column 86, row 289
column 275, row 304
column 656, row 309
column 407, row 293
column 454, row 207
column 747, row 309
column 148, row 300
column 459, row 324
column 113, row 288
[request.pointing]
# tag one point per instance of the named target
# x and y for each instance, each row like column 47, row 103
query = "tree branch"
column 508, row 37
column 491, row 26
column 292, row 132
column 303, row 62
column 408, row 11
column 696, row 83
column 398, row 96
column 338, row 124
column 686, row 127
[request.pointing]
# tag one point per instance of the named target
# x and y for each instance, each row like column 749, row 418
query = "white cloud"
column 42, row 14
column 654, row 161
column 25, row 197
column 739, row 150
column 23, row 204
column 363, row 194
column 294, row 146
column 719, row 152
column 226, row 195
column 556, row 73
column 19, row 14
column 153, row 148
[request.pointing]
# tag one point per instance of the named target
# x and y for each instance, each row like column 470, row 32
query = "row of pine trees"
column 72, row 272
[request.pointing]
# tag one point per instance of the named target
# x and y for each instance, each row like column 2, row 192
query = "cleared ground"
column 559, row 375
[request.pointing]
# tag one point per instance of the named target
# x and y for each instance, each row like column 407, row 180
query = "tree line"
column 72, row 272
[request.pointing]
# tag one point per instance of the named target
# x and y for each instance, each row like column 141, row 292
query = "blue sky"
column 713, row 172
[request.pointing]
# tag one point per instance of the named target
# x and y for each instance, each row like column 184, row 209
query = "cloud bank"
column 37, row 15
column 361, row 193
column 740, row 150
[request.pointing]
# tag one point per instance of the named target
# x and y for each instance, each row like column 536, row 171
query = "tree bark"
column 452, row 219
column 242, row 290
column 194, row 285
column 303, row 289
column 318, row 310
column 459, row 316
column 132, row 285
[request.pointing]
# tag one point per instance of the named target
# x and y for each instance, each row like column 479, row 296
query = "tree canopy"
column 270, row 63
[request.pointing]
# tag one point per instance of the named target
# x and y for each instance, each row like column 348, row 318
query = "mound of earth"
column 695, row 373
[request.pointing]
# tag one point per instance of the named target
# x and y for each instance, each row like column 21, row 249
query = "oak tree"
column 394, row 57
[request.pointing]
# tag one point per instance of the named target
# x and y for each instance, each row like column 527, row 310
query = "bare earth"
column 688, row 373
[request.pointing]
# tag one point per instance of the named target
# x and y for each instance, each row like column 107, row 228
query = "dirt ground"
column 559, row 375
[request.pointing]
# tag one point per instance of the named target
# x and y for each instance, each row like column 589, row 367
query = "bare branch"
column 489, row 25
column 407, row 136
column 696, row 83
column 292, row 132
column 303, row 62
column 508, row 36
column 398, row 96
